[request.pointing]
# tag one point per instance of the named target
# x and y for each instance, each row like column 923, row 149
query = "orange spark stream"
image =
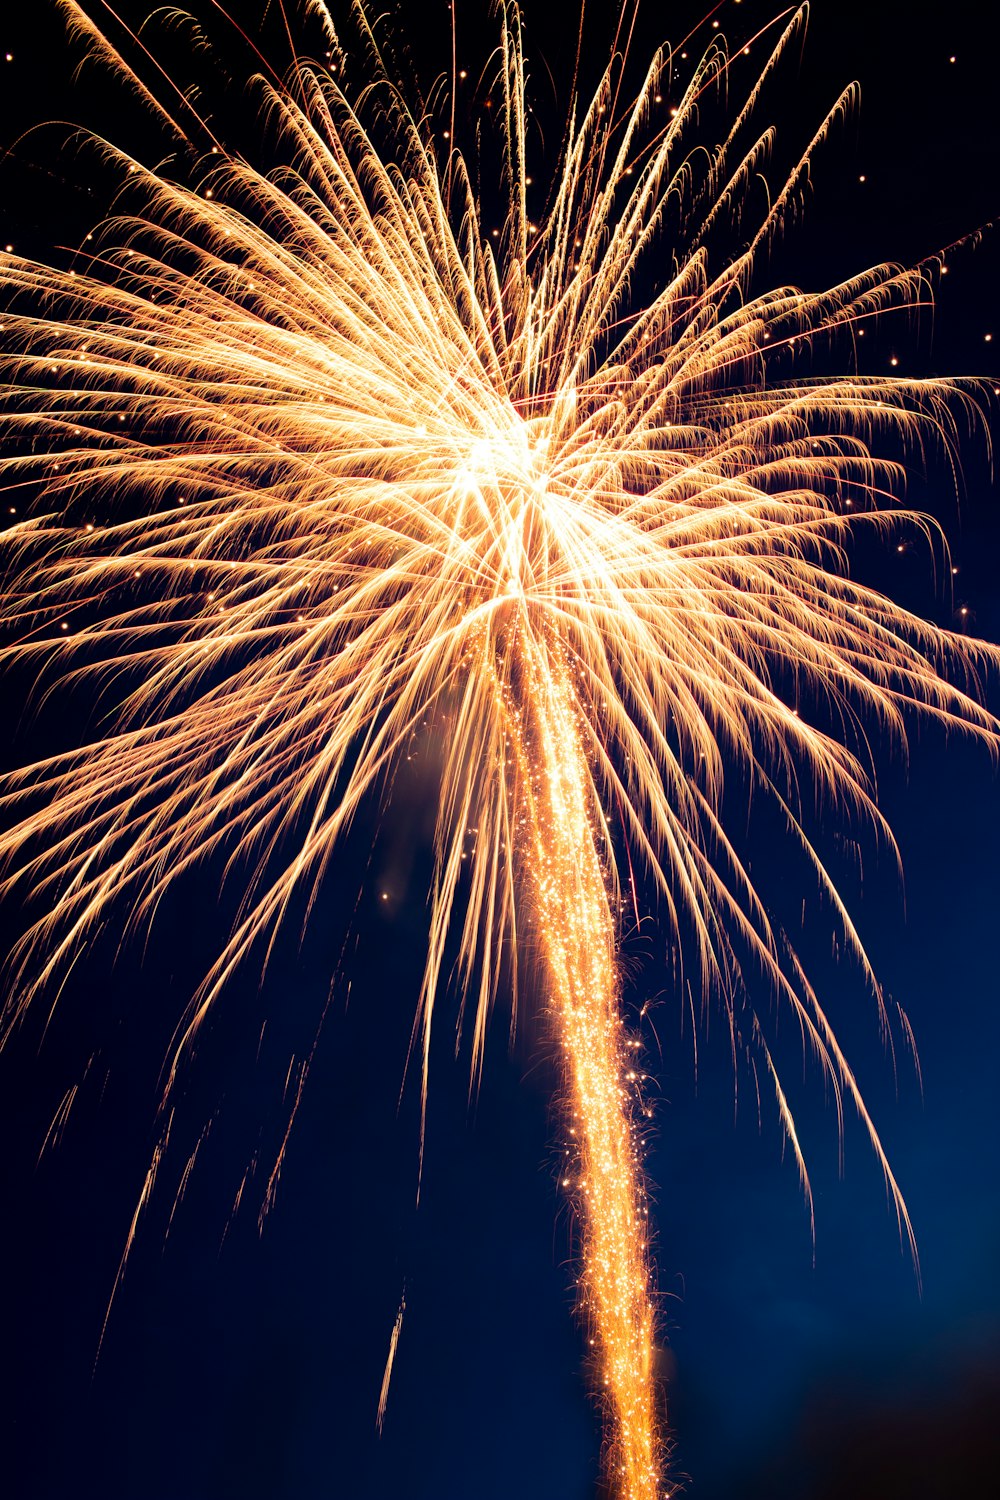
column 564, row 871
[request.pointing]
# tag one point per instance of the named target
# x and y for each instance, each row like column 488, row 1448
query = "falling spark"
column 328, row 467
column 397, row 1328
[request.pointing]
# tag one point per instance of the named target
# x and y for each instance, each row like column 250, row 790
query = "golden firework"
column 323, row 461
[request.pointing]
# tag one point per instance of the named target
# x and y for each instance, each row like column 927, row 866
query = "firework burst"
column 321, row 464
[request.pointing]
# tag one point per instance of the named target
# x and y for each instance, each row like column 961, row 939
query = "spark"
column 438, row 480
column 383, row 1400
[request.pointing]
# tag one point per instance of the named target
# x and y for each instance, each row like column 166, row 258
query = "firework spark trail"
column 383, row 1399
column 322, row 467
column 565, row 873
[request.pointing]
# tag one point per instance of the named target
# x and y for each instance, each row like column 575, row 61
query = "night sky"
column 240, row 1364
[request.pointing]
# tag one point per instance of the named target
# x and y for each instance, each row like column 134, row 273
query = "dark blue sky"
column 245, row 1364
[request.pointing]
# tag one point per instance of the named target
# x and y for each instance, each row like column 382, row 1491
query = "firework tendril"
column 378, row 468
